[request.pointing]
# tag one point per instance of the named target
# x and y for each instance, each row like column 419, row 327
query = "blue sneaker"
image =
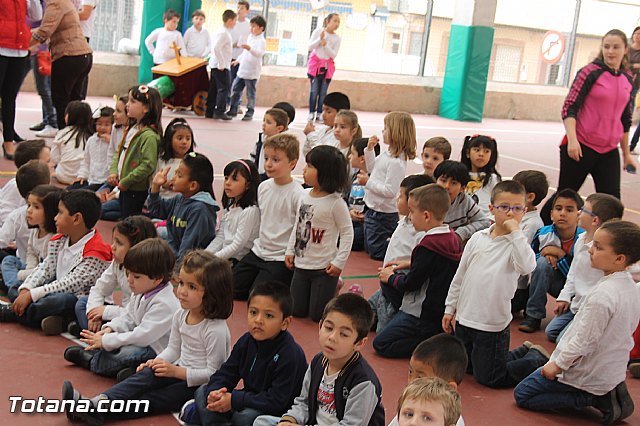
column 189, row 413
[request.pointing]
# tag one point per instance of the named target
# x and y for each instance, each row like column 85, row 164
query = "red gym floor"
column 32, row 365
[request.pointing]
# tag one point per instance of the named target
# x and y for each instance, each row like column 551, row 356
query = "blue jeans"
column 60, row 304
column 544, row 279
column 238, row 86
column 111, row 210
column 490, row 360
column 378, row 228
column 558, row 325
column 266, row 421
column 402, row 334
column 43, row 86
column 81, row 312
column 108, row 363
column 537, row 393
column 11, row 265
column 234, row 418
column 165, row 394
column 318, row 91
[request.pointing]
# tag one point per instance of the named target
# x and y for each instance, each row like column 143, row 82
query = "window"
column 506, row 64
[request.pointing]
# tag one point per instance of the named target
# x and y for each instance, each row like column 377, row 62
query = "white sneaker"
column 47, row 132
column 312, row 116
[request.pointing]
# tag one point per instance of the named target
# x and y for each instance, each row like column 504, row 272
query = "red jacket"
column 14, row 31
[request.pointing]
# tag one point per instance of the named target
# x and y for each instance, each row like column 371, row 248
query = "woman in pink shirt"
column 597, row 118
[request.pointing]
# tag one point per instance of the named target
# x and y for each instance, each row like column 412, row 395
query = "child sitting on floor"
column 429, row 398
column 434, row 151
column 589, row 366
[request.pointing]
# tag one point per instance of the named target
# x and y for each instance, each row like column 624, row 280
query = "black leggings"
column 604, row 168
column 68, row 75
column 11, row 74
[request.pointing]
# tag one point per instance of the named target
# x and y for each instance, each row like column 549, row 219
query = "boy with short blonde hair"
column 197, row 40
column 432, row 397
column 481, row 291
column 278, row 198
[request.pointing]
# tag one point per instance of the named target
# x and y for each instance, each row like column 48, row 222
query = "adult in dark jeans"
column 71, row 55
column 14, row 54
column 597, row 118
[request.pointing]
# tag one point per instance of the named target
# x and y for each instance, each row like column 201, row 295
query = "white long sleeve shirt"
column 319, row 223
column 240, row 32
column 36, row 252
column 594, row 351
column 145, row 322
column 200, row 348
column 486, row 280
column 221, row 50
column 330, row 49
column 323, row 135
column 102, row 292
column 383, row 185
column 66, row 155
column 237, row 231
column 530, row 223
column 15, row 228
column 581, row 278
column 10, row 199
column 197, row 43
column 251, row 60
column 162, row 51
column 117, row 133
column 278, row 210
column 94, row 167
column 404, row 239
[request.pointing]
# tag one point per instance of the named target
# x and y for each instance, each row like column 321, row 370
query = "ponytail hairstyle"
column 136, row 228
column 78, row 114
column 486, row 142
column 200, row 171
column 167, row 147
column 247, row 169
column 619, row 33
column 49, row 197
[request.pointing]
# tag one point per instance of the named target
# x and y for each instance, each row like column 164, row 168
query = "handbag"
column 44, row 62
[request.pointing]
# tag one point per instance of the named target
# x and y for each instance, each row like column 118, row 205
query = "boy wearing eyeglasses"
column 582, row 277
column 424, row 288
column 554, row 247
column 479, row 299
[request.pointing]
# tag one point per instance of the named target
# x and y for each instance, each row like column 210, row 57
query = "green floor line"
column 359, row 277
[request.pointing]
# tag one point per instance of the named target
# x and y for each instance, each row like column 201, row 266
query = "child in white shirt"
column 323, row 135
column 197, row 40
column 67, row 148
column 279, row 198
column 249, row 70
column 164, row 38
column 94, row 169
column 480, row 293
column 322, row 219
column 220, row 64
column 589, row 366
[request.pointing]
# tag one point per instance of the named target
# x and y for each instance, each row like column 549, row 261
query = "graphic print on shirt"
column 474, row 185
column 326, row 395
column 356, row 197
column 305, row 233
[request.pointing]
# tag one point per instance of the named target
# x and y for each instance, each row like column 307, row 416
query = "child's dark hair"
column 136, row 228
column 130, row 121
column 27, row 151
column 84, row 202
column 261, row 22
column 412, row 182
column 625, row 239
column 278, row 292
column 152, row 257
column 360, row 144
column 605, row 206
column 200, row 171
column 247, row 169
column 356, row 308
column 445, row 354
column 571, row 195
column 482, row 141
column 170, row 14
column 78, row 114
column 510, row 186
column 30, row 175
column 104, row 112
column 280, row 116
column 49, row 197
column 535, row 182
column 244, row 3
column 171, row 129
column 333, row 175
column 151, row 98
column 198, row 12
column 288, row 108
column 215, row 275
column 453, row 170
column 228, row 14
column 440, row 145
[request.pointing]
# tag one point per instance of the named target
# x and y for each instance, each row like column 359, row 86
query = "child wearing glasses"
column 480, row 293
column 554, row 247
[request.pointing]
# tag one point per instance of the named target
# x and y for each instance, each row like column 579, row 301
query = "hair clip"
column 484, row 136
column 144, row 89
column 192, row 154
column 96, row 113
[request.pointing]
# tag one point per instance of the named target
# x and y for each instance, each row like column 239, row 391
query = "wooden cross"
column 176, row 49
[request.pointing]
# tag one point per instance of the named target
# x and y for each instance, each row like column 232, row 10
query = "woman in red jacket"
column 597, row 118
column 14, row 54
